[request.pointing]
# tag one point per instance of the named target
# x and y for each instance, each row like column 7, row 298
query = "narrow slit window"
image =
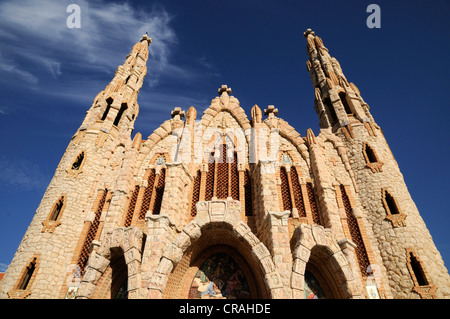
column 78, row 161
column 372, row 160
column 57, row 208
column 345, row 103
column 109, row 101
column 370, row 154
column 390, row 203
column 417, row 270
column 123, row 108
column 330, row 107
column 28, row 274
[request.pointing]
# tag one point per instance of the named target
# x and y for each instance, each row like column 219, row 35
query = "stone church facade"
column 225, row 206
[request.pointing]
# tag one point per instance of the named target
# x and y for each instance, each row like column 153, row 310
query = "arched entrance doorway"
column 221, row 273
column 320, row 267
column 217, row 266
column 320, row 281
column 218, row 223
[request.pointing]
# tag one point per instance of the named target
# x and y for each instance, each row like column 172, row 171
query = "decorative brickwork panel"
column 147, row 195
column 159, row 192
column 285, row 193
column 131, row 206
column 85, row 251
column 298, row 197
column 195, row 193
column 313, row 204
column 248, row 194
column 209, row 187
column 234, row 178
column 361, row 253
column 222, row 174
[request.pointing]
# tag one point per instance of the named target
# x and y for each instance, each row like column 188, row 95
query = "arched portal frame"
column 317, row 251
column 217, row 227
column 119, row 256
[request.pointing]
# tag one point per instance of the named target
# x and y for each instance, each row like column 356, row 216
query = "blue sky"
column 50, row 74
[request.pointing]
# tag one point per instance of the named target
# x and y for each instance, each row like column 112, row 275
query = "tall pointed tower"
column 403, row 251
column 68, row 222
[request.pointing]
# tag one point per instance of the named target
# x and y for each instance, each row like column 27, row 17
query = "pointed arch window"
column 57, row 209
column 77, row 165
column 393, row 211
column 22, row 288
column 29, row 272
column 372, row 160
column 53, row 218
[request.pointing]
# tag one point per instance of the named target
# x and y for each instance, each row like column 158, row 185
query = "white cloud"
column 21, row 173
column 11, row 67
column 38, row 50
column 37, row 31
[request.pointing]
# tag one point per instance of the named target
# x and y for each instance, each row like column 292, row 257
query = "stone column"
column 176, row 193
column 278, row 243
column 161, row 233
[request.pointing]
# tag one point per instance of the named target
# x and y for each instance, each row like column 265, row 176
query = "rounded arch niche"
column 320, row 267
column 217, row 236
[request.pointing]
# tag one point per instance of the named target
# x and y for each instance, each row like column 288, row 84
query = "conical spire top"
column 145, row 37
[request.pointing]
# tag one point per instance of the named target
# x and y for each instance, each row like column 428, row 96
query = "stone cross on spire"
column 271, row 111
column 307, row 32
column 223, row 89
column 177, row 113
column 146, row 38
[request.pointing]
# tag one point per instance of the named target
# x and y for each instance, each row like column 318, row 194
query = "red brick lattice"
column 159, row 192
column 131, row 206
column 209, row 187
column 361, row 253
column 298, row 196
column 195, row 193
column 285, row 193
column 84, row 255
column 313, row 204
column 234, row 178
column 248, row 194
column 222, row 174
column 147, row 195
